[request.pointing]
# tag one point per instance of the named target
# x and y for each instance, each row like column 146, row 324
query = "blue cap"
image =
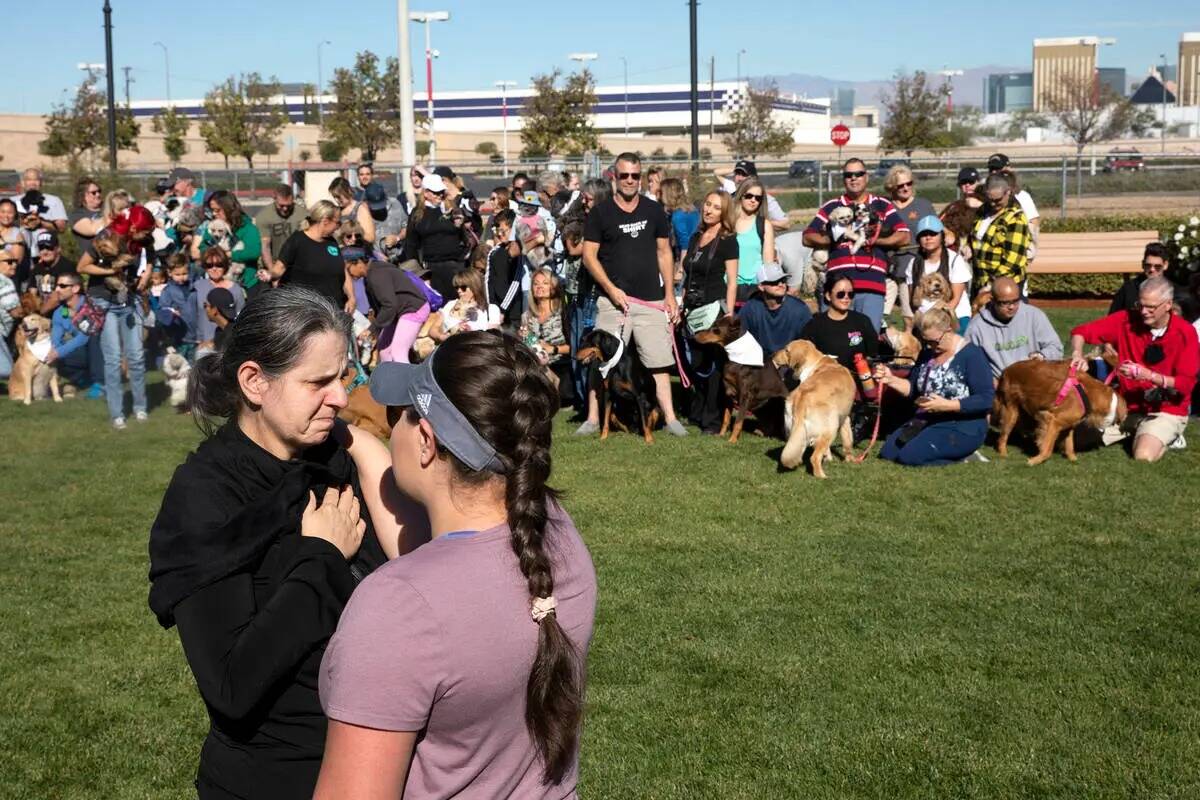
column 929, row 223
column 354, row 254
column 397, row 384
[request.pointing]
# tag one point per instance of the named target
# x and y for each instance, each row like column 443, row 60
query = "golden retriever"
column 817, row 409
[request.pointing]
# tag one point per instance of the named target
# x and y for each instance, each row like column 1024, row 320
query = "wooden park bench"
column 1119, row 251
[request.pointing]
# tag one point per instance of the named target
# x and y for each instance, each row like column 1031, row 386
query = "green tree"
column 753, row 128
column 1022, row 120
column 1143, row 122
column 366, row 112
column 331, row 149
column 242, row 116
column 77, row 131
column 558, row 120
column 174, row 129
column 916, row 115
column 486, row 148
column 1088, row 112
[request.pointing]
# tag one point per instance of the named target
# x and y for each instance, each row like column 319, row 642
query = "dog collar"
column 607, row 366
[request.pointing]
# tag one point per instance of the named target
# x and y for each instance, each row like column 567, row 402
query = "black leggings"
column 441, row 277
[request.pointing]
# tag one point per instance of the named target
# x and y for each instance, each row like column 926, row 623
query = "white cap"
column 769, row 272
column 434, row 183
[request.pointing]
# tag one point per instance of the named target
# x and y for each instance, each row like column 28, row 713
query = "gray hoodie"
column 1004, row 343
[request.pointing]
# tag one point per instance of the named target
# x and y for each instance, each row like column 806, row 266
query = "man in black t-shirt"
column 627, row 251
column 49, row 264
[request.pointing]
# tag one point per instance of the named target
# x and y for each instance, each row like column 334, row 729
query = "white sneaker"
column 141, row 416
column 1179, row 444
column 977, row 456
column 118, row 424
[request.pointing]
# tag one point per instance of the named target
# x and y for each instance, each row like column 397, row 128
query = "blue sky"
column 479, row 45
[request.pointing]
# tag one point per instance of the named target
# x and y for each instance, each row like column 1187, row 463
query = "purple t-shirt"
column 441, row 640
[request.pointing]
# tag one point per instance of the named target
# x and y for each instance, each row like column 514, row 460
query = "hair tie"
column 543, row 607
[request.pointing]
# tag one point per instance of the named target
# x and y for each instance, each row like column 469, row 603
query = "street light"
column 949, row 75
column 1162, row 81
column 625, row 65
column 167, row 69
column 426, row 17
column 320, row 94
column 504, row 114
column 740, row 53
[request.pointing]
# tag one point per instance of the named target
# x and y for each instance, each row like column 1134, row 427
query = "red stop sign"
column 839, row 135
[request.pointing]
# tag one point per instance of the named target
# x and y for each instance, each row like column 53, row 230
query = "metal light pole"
column 1162, row 80
column 504, row 114
column 425, row 18
column 408, row 140
column 695, row 88
column 949, row 75
column 739, row 66
column 625, row 64
column 320, row 91
column 166, row 69
column 112, row 109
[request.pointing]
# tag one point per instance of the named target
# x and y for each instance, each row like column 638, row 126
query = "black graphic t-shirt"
column 843, row 338
column 629, row 245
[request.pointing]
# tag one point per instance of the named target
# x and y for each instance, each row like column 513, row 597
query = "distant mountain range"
column 968, row 87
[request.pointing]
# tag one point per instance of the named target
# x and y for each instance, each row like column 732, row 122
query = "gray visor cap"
column 397, row 384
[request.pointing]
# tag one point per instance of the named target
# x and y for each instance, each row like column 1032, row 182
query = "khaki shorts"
column 648, row 326
column 1167, row 428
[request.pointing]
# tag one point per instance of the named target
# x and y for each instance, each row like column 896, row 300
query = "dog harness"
column 1073, row 382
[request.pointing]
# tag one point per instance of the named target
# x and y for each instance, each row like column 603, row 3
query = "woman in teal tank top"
column 755, row 236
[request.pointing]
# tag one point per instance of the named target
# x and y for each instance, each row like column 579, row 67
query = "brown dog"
column 904, row 345
column 362, row 410
column 747, row 388
column 817, row 409
column 1031, row 388
column 32, row 378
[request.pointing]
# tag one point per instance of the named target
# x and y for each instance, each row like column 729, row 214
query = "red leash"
column 861, row 457
column 683, row 378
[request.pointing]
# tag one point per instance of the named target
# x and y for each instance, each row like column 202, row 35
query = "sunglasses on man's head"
column 858, row 173
column 629, row 176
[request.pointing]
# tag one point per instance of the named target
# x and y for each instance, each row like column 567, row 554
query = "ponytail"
column 503, row 391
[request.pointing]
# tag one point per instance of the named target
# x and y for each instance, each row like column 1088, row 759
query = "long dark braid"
column 502, row 389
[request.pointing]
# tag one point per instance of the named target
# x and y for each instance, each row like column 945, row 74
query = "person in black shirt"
column 48, row 266
column 502, row 274
column 627, row 250
column 1154, row 262
column 311, row 257
column 435, row 236
column 710, row 268
column 840, row 332
column 244, row 561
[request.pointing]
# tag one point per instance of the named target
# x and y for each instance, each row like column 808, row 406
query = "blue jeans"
column 122, row 335
column 6, row 360
column 937, row 444
column 582, row 321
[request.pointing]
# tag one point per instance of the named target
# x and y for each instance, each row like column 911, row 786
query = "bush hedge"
column 1062, row 284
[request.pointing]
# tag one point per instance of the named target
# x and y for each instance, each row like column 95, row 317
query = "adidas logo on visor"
column 423, row 401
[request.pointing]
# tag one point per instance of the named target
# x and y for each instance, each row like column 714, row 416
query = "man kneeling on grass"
column 1159, row 357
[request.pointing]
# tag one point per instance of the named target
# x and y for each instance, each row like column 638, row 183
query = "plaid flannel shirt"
column 1003, row 252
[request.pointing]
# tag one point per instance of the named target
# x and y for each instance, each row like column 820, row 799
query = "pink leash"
column 683, row 378
column 1072, row 381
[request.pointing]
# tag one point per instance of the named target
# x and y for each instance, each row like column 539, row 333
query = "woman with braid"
column 458, row 669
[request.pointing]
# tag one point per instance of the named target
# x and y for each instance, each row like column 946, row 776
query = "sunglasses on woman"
column 844, row 295
column 755, row 198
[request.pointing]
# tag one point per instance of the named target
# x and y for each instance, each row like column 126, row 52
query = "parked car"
column 1119, row 160
column 804, row 170
column 886, row 164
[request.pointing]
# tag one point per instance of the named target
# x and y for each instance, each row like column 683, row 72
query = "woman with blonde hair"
column 311, row 257
column 350, row 209
column 755, row 236
column 468, row 312
column 544, row 330
column 899, row 185
column 683, row 216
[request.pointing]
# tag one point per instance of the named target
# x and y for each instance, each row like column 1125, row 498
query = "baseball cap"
column 747, row 168
column 967, row 175
column 997, row 162
column 434, row 183
column 769, row 272
column 180, row 174
column 529, row 199
column 222, row 301
column 444, row 172
column 397, row 384
column 162, row 186
column 353, row 254
column 929, row 223
column 47, row 240
column 375, row 196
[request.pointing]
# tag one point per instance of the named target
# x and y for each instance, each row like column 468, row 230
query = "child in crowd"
column 532, row 231
column 176, row 312
column 221, row 310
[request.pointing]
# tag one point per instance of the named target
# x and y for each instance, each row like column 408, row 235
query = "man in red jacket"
column 1159, row 357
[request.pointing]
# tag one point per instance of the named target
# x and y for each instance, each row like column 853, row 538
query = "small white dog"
column 177, row 369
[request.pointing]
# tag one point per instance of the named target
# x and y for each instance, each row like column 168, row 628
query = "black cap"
column 47, row 240
column 445, row 172
column 222, row 301
column 747, row 168
column 997, row 162
column 163, row 185
column 375, row 196
column 968, row 175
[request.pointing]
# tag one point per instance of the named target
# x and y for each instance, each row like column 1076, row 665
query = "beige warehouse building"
column 1188, row 74
column 1056, row 61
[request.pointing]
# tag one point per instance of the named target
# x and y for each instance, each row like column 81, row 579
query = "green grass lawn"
column 983, row 631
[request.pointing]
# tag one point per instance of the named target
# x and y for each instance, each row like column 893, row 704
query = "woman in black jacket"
column 435, row 236
column 259, row 542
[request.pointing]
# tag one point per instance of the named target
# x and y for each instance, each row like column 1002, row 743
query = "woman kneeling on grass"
column 951, row 385
column 254, row 574
column 458, row 669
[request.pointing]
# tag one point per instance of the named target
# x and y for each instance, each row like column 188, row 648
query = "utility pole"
column 504, row 85
column 408, row 141
column 1162, row 80
column 128, row 80
column 695, row 89
column 712, row 72
column 112, row 108
column 167, row 69
column 320, row 89
column 426, row 18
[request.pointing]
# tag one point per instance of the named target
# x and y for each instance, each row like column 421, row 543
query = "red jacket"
column 1181, row 357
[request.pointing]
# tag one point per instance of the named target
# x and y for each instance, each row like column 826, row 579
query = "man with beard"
column 277, row 222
